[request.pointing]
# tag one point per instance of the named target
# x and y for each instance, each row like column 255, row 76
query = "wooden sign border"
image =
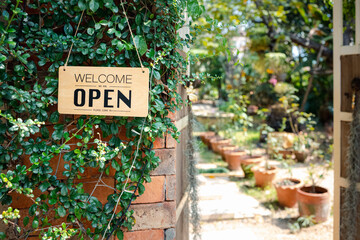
column 94, row 86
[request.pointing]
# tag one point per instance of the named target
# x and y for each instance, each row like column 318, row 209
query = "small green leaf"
column 68, row 29
column 45, row 132
column 44, row 186
column 93, row 5
column 115, row 165
column 157, row 75
column 26, row 221
column 32, row 209
column 2, row 58
column 52, row 201
column 90, row 31
column 140, row 44
column 64, row 191
column 138, row 19
column 61, row 211
column 120, row 235
column 6, row 15
column 111, row 30
column 35, row 223
column 82, row 5
column 54, row 117
column 114, row 128
column 78, row 212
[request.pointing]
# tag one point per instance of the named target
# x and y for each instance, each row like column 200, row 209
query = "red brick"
column 154, row 191
column 170, row 141
column 159, row 143
column 76, row 116
column 22, row 201
column 144, row 235
column 122, row 134
column 101, row 192
column 170, row 188
column 156, row 215
column 167, row 164
column 172, row 116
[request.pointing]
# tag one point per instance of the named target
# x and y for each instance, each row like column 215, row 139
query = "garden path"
column 229, row 213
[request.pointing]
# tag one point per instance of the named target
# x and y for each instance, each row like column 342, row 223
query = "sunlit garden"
column 264, row 116
column 180, row 119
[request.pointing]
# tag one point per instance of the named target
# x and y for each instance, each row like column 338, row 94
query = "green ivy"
column 35, row 38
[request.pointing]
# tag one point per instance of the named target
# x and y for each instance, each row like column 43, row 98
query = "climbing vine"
column 44, row 155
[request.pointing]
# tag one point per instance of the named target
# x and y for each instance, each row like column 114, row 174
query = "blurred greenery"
column 243, row 139
column 253, row 45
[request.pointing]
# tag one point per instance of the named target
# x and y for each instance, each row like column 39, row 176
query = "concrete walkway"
column 220, row 199
column 227, row 213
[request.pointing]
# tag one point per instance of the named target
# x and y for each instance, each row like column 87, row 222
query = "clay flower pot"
column 314, row 203
column 247, row 162
column 203, row 135
column 286, row 189
column 233, row 158
column 216, row 142
column 301, row 156
column 207, row 140
column 226, row 148
column 264, row 177
column 285, row 153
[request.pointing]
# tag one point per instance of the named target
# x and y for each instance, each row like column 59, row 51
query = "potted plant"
column 298, row 120
column 225, row 148
column 203, row 135
column 207, row 140
column 217, row 142
column 249, row 161
column 314, row 200
column 286, row 189
column 280, row 143
column 264, row 175
column 300, row 149
column 234, row 158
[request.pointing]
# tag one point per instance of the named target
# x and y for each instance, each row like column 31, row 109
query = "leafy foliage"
column 35, row 37
column 301, row 222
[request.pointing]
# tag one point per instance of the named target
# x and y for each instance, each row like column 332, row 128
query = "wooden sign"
column 108, row 91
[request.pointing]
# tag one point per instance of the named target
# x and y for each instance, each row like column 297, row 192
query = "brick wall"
column 155, row 210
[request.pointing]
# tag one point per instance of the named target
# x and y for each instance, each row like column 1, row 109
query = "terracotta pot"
column 301, row 156
column 314, row 204
column 203, row 135
column 285, row 153
column 216, row 142
column 207, row 140
column 264, row 177
column 225, row 148
column 247, row 162
column 233, row 158
column 287, row 193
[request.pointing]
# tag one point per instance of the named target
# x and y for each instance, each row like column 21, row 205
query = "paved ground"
column 221, row 199
column 227, row 213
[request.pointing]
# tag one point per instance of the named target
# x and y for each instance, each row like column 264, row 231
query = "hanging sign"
column 108, row 91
